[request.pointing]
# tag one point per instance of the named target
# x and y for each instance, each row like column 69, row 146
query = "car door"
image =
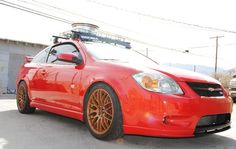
column 37, row 80
column 63, row 78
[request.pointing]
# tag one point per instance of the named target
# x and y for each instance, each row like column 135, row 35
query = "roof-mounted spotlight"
column 84, row 26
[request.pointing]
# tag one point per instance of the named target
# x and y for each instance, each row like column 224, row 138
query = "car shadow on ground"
column 47, row 130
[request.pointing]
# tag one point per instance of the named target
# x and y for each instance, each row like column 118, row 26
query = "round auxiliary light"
column 85, row 26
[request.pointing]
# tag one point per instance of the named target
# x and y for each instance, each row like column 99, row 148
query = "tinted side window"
column 41, row 56
column 64, row 48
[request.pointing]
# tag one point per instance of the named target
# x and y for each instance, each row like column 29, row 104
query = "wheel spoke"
column 94, row 99
column 105, row 122
column 95, row 121
column 98, row 98
column 103, row 125
column 108, row 106
column 108, row 119
column 103, row 99
column 92, row 106
column 93, row 113
column 107, row 103
column 107, row 113
column 98, row 125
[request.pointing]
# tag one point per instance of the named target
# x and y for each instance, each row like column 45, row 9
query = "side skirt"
column 60, row 111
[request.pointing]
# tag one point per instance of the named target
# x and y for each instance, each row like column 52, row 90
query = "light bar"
column 93, row 37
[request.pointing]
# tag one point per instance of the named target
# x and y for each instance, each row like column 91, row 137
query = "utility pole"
column 216, row 56
column 194, row 68
column 147, row 52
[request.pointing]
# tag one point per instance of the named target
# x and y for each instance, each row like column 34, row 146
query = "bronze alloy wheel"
column 21, row 94
column 100, row 111
column 22, row 99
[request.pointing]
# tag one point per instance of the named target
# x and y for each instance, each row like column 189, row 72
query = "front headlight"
column 157, row 82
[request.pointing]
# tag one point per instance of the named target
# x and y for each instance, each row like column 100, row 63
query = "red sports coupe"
column 101, row 81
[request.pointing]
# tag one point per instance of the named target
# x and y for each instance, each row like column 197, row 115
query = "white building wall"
column 12, row 55
column 4, row 58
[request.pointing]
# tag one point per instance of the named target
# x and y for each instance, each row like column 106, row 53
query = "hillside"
column 207, row 70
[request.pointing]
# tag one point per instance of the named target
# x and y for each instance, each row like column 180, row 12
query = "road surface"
column 43, row 130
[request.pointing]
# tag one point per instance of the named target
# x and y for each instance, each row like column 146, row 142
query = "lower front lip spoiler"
column 212, row 129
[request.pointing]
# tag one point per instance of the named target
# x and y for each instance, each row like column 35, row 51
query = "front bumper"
column 153, row 114
column 232, row 94
column 181, row 119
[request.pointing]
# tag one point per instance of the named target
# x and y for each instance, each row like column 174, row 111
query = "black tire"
column 234, row 99
column 115, row 129
column 22, row 99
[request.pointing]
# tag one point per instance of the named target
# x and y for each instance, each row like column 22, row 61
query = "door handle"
column 43, row 72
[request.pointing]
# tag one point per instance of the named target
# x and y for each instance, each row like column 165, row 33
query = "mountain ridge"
column 207, row 70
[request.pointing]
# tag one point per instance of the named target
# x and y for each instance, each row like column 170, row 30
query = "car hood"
column 175, row 73
column 185, row 75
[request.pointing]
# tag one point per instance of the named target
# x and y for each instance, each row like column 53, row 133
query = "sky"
column 139, row 20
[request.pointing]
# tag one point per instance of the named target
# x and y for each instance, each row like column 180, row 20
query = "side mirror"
column 69, row 57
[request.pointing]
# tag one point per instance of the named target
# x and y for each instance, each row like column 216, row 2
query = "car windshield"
column 104, row 51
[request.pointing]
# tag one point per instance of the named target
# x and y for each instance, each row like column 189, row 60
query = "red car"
column 115, row 90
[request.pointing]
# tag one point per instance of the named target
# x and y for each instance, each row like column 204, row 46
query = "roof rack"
column 89, row 37
column 100, row 37
column 91, row 33
column 55, row 38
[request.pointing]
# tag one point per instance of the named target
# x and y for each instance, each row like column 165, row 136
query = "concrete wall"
column 14, row 63
column 12, row 55
column 4, row 58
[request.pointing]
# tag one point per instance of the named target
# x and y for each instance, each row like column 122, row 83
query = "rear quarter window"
column 41, row 57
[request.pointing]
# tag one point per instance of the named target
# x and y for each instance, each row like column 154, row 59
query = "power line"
column 46, row 15
column 208, row 46
column 162, row 18
column 16, row 6
column 131, row 39
column 139, row 41
column 29, row 10
column 76, row 14
column 178, row 50
column 32, row 3
column 128, row 38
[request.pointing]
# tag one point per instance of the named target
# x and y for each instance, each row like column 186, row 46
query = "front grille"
column 206, row 89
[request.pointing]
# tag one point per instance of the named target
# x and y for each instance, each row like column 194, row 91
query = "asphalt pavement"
column 43, row 130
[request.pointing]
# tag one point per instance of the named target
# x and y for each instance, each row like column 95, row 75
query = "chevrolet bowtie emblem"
column 211, row 89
